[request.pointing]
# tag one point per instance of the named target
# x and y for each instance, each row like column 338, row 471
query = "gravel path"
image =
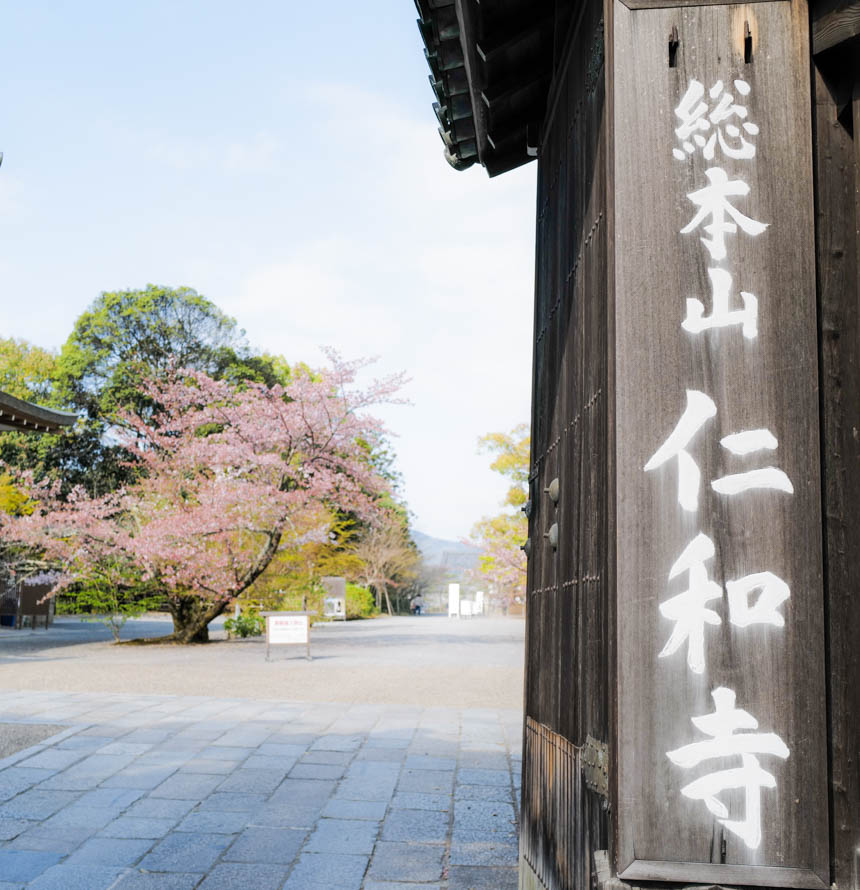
column 436, row 661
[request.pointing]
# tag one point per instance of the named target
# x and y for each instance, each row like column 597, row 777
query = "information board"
column 288, row 629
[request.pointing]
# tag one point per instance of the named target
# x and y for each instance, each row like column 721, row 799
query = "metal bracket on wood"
column 595, row 765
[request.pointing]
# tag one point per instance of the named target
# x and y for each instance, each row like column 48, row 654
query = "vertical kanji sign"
column 721, row 752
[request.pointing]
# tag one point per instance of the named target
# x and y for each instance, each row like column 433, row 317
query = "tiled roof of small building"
column 16, row 414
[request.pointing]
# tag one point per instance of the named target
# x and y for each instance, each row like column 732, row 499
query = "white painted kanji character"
column 725, row 109
column 700, row 408
column 713, row 203
column 698, row 118
column 773, row 592
column 721, row 316
column 692, row 112
column 723, row 727
column 689, row 609
column 748, row 442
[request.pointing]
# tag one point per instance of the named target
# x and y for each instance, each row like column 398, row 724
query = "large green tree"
column 123, row 338
column 130, row 335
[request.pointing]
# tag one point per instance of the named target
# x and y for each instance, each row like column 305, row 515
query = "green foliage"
column 512, row 452
column 82, row 456
column 317, row 545
column 26, row 371
column 12, row 500
column 248, row 624
column 359, row 602
column 102, row 599
column 124, row 336
column 500, row 537
column 129, row 334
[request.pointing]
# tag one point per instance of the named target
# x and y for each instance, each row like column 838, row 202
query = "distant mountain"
column 453, row 555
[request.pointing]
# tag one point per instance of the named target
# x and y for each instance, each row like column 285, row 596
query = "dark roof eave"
column 491, row 93
column 16, row 414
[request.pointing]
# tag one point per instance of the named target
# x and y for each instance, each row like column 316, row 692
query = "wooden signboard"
column 721, row 744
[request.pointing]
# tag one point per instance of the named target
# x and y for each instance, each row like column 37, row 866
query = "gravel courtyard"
column 390, row 761
column 432, row 660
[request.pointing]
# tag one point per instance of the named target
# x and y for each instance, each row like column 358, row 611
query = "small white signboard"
column 334, row 607
column 334, row 604
column 288, row 629
column 454, row 600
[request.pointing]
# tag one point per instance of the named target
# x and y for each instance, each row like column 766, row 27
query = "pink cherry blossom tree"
column 225, row 473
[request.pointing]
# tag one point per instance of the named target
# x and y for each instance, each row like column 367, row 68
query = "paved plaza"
column 141, row 790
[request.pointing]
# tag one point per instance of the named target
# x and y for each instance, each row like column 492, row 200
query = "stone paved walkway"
column 176, row 792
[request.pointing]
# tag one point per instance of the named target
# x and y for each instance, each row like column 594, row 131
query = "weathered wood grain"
column 778, row 673
column 835, row 27
column 568, row 692
column 837, row 185
column 674, row 4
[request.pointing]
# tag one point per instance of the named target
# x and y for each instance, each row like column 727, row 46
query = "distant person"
column 417, row 604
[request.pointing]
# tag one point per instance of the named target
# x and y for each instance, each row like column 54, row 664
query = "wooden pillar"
column 836, row 128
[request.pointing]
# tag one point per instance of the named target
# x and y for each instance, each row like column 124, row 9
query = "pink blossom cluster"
column 226, row 473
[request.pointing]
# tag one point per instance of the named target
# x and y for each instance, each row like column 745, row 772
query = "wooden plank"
column 753, row 876
column 776, row 672
column 611, row 492
column 836, row 180
column 835, row 27
column 673, row 4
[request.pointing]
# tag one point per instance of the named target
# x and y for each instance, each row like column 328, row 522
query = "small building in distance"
column 22, row 601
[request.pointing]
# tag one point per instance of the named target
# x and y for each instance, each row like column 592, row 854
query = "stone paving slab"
column 152, row 792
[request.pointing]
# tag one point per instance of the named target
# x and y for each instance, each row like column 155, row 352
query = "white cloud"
column 441, row 287
column 352, row 232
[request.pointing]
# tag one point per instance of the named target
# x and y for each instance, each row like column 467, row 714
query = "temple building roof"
column 16, row 414
column 491, row 65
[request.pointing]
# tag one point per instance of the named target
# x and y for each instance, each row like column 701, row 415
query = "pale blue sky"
column 282, row 159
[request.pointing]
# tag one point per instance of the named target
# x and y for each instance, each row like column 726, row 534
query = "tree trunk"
column 191, row 616
column 387, row 599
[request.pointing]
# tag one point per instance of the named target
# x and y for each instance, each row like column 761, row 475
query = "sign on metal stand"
column 288, row 629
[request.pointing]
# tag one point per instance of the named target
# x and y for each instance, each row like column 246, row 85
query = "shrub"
column 359, row 602
column 246, row 624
